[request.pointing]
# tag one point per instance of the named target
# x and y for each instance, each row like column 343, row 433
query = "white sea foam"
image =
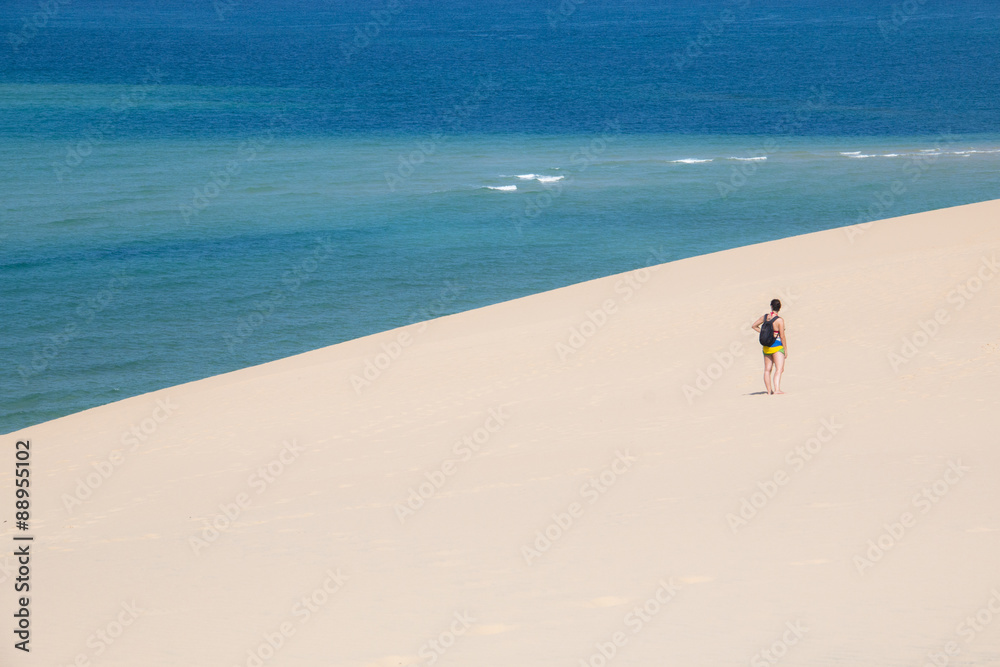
column 851, row 153
column 749, row 159
column 537, row 177
column 890, row 155
column 502, row 188
column 691, row 160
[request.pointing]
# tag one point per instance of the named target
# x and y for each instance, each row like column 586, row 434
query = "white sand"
column 333, row 506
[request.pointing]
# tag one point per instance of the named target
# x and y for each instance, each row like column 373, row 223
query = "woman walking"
column 775, row 342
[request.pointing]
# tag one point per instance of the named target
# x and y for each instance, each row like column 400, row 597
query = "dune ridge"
column 584, row 476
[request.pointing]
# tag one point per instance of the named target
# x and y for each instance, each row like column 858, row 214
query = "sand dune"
column 589, row 474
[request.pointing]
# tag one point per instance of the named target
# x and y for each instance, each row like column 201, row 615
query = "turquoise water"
column 185, row 197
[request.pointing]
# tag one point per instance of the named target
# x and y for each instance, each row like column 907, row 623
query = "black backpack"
column 767, row 333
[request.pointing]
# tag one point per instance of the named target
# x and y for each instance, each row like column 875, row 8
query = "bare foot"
column 779, row 392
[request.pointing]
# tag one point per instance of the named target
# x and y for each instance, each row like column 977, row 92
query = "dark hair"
column 775, row 305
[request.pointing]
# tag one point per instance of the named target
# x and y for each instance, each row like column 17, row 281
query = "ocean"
column 189, row 188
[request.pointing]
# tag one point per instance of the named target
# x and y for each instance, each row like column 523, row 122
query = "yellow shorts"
column 771, row 350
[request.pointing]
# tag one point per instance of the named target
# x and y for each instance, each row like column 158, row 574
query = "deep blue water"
column 193, row 187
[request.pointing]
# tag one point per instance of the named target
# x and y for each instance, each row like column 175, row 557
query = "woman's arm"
column 756, row 325
column 784, row 336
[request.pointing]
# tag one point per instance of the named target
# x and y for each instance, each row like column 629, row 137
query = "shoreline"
column 853, row 233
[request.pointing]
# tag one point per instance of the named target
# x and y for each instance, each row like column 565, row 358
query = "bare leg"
column 779, row 368
column 767, row 373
